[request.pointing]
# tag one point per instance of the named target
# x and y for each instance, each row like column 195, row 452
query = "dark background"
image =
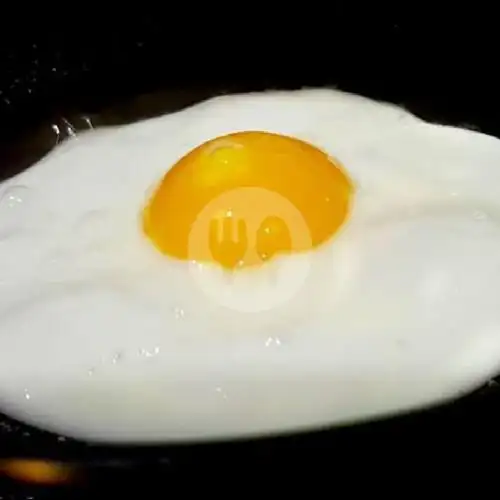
column 122, row 66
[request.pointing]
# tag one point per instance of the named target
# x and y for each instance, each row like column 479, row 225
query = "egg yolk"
column 37, row 471
column 240, row 199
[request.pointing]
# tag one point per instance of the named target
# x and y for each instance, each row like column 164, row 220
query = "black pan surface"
column 118, row 69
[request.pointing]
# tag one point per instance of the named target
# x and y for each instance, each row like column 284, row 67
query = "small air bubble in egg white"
column 149, row 353
column 11, row 207
column 273, row 341
column 479, row 215
column 179, row 313
column 221, row 392
column 91, row 372
column 27, row 395
column 116, row 358
column 13, row 197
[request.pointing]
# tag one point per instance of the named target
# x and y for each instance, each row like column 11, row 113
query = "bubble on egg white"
column 104, row 338
column 179, row 313
column 11, row 205
column 13, row 196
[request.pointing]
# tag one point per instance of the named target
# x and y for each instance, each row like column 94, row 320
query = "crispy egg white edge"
column 107, row 387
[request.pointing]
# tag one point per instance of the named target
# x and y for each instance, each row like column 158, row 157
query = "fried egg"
column 253, row 264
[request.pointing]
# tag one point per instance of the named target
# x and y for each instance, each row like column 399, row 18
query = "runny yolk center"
column 241, row 199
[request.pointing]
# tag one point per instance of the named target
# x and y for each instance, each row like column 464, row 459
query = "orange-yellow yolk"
column 240, row 199
column 37, row 471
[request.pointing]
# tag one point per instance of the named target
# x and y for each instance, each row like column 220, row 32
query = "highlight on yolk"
column 240, row 199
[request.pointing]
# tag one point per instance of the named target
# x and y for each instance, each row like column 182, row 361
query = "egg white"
column 103, row 338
